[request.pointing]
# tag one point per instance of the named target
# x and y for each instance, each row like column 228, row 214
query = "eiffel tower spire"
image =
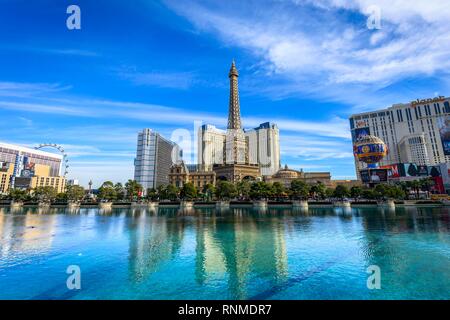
column 234, row 111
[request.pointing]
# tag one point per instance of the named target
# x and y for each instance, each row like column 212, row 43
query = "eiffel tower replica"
column 236, row 166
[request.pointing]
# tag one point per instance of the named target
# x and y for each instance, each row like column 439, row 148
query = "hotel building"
column 25, row 165
column 154, row 158
column 259, row 147
column 416, row 132
column 181, row 174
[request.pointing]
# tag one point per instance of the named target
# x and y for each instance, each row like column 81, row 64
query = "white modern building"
column 416, row 132
column 154, row 157
column 259, row 146
column 263, row 147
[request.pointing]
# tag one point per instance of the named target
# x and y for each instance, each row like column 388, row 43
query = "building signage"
column 425, row 101
column 360, row 124
column 444, row 132
column 374, row 175
column 4, row 166
column 395, row 170
column 360, row 132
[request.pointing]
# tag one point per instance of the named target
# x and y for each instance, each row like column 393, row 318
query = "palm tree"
column 134, row 189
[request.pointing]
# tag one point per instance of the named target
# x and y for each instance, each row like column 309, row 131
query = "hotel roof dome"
column 287, row 173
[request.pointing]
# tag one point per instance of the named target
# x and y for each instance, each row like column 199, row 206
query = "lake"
column 240, row 253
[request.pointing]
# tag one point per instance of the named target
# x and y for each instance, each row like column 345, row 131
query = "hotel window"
column 352, row 123
column 447, row 107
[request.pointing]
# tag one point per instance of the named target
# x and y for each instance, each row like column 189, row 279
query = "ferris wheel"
column 65, row 162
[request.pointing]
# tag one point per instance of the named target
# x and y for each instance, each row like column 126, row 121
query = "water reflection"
column 241, row 246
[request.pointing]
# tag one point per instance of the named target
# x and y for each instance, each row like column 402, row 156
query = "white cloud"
column 162, row 79
column 324, row 47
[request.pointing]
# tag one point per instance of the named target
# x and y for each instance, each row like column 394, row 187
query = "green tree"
column 426, row 184
column 108, row 184
column 134, row 189
column 209, row 190
column 47, row 194
column 329, row 192
column 61, row 197
column 356, row 192
column 394, row 192
column 75, row 193
column 368, row 193
column 172, row 192
column 120, row 191
column 188, row 191
column 260, row 190
column 107, row 192
column 380, row 191
column 299, row 189
column 152, row 194
column 162, row 194
column 17, row 194
column 279, row 191
column 318, row 190
column 225, row 190
column 244, row 188
column 341, row 192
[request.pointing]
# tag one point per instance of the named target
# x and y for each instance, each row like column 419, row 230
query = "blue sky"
column 306, row 65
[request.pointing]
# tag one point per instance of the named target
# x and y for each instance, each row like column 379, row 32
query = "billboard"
column 444, row 132
column 22, row 183
column 374, row 175
column 394, row 170
column 360, row 132
column 4, row 166
column 28, row 168
column 436, row 175
column 422, row 171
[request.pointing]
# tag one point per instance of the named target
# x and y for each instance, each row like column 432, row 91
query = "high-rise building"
column 264, row 147
column 257, row 147
column 416, row 132
column 23, row 162
column 154, row 157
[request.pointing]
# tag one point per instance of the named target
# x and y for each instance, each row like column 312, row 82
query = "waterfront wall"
column 259, row 204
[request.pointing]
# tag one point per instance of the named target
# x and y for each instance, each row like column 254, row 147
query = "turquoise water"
column 235, row 254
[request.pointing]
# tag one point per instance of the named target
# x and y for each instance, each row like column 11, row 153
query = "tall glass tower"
column 154, row 157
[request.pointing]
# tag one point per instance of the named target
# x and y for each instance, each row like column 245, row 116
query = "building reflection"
column 247, row 246
column 154, row 240
column 232, row 245
column 27, row 231
column 387, row 236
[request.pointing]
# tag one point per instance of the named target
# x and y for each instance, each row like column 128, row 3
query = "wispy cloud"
column 158, row 114
column 161, row 79
column 324, row 49
column 53, row 51
column 24, row 89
